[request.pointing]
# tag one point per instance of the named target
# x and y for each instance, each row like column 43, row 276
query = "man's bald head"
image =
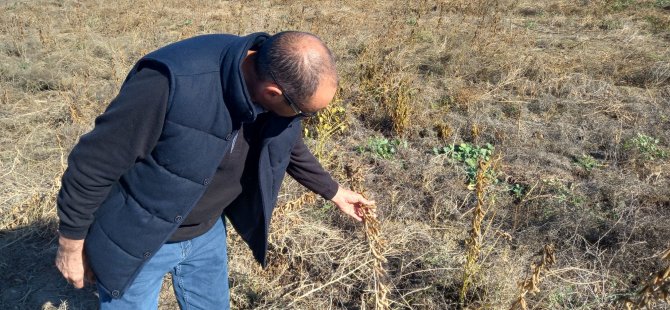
column 300, row 62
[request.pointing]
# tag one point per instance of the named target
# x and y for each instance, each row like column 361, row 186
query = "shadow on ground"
column 28, row 276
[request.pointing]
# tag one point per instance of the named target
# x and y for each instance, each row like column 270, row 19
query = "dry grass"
column 559, row 87
column 657, row 289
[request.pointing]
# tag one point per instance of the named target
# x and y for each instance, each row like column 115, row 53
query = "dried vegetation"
column 573, row 95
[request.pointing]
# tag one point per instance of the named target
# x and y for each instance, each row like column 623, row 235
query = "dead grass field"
column 574, row 96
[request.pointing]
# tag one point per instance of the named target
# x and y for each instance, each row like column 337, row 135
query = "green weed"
column 469, row 155
column 588, row 162
column 646, row 146
column 411, row 21
column 662, row 3
column 610, row 24
column 530, row 24
column 564, row 193
column 620, row 5
column 383, row 147
column 517, row 190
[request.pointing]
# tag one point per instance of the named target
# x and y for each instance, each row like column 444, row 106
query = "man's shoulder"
column 195, row 55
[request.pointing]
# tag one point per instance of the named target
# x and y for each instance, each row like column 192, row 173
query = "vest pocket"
column 113, row 266
column 134, row 230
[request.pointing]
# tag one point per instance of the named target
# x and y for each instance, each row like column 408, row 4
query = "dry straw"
column 474, row 242
column 656, row 289
column 377, row 247
column 531, row 283
column 376, row 243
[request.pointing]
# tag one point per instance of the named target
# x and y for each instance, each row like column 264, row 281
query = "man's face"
column 279, row 104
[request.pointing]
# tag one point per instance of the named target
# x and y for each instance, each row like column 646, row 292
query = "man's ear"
column 271, row 93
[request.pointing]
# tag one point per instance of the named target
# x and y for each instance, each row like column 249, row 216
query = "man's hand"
column 71, row 261
column 350, row 202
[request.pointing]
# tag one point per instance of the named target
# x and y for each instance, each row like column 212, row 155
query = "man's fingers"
column 72, row 265
column 78, row 283
column 352, row 212
column 361, row 199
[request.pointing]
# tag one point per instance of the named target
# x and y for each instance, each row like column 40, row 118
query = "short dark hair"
column 298, row 73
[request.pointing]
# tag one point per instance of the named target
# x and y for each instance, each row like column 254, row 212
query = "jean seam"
column 187, row 248
column 184, row 294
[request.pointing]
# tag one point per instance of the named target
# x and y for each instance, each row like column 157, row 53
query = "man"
column 201, row 128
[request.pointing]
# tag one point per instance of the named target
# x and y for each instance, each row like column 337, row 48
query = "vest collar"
column 235, row 92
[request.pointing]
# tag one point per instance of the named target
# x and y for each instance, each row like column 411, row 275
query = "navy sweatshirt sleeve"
column 127, row 131
column 307, row 170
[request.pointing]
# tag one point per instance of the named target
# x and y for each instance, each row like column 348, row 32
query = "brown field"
column 574, row 97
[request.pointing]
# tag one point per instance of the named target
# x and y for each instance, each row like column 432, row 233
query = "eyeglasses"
column 289, row 101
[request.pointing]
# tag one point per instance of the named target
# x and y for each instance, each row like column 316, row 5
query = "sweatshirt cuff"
column 330, row 190
column 72, row 233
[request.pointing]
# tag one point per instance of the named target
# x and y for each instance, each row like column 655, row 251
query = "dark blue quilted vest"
column 208, row 103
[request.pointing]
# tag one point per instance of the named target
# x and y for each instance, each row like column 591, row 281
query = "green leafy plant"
column 610, row 24
column 530, row 24
column 620, row 5
column 411, row 21
column 517, row 190
column 588, row 162
column 383, row 147
column 646, row 146
column 662, row 3
column 469, row 155
column 565, row 193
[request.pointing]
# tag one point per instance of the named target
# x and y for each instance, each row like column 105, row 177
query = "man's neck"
column 249, row 73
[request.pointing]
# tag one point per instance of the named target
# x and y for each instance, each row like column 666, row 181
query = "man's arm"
column 307, row 170
column 126, row 131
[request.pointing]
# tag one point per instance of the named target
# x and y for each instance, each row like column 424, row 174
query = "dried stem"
column 474, row 242
column 532, row 281
column 657, row 289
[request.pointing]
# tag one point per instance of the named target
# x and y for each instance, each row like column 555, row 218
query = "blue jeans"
column 199, row 270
